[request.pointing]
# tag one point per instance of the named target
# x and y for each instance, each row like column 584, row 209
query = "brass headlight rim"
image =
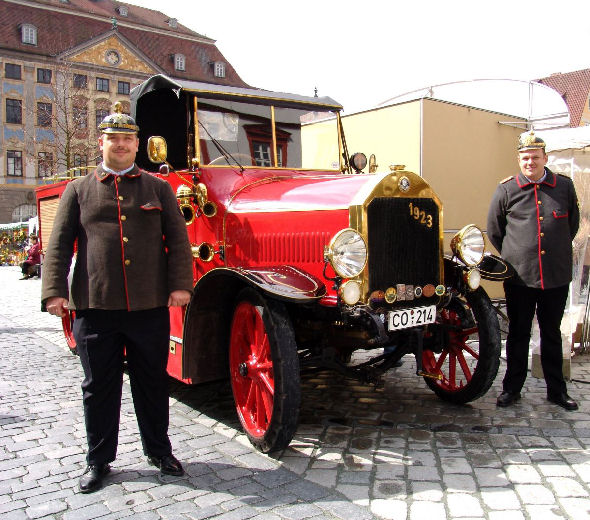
column 457, row 244
column 330, row 253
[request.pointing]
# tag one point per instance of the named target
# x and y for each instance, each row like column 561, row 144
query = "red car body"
column 297, row 267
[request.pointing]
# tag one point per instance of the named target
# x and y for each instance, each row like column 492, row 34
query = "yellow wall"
column 391, row 133
column 466, row 152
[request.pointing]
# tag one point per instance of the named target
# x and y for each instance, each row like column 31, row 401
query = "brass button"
column 543, row 252
column 539, row 202
column 118, row 179
column 125, row 239
column 127, row 262
column 123, row 217
column 540, row 218
column 542, row 234
column 120, row 197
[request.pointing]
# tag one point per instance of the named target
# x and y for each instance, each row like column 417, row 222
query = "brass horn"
column 208, row 208
column 184, row 194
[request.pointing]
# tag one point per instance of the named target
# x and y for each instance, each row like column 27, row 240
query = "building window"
column 14, row 163
column 43, row 75
column 80, row 118
column 260, row 139
column 262, row 156
column 24, row 212
column 219, row 69
column 28, row 34
column 45, row 164
column 12, row 71
column 122, row 10
column 14, row 111
column 80, row 81
column 173, row 22
column 101, row 113
column 80, row 160
column 44, row 113
column 123, row 87
column 102, row 84
column 179, row 62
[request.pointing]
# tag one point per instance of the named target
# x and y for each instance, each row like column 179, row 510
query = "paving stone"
column 535, row 494
column 397, row 452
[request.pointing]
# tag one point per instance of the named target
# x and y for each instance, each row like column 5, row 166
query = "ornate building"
column 63, row 64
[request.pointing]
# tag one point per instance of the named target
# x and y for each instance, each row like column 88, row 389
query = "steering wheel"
column 242, row 158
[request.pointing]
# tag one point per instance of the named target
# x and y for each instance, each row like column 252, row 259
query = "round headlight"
column 468, row 244
column 358, row 161
column 473, row 279
column 347, row 253
column 350, row 292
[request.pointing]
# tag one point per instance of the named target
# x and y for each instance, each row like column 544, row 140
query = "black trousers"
column 104, row 339
column 521, row 303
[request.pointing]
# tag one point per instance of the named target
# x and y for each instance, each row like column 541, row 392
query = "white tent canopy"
column 542, row 106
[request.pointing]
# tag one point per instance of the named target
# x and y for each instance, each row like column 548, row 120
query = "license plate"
column 406, row 318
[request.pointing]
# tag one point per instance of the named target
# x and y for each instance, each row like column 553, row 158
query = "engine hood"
column 301, row 193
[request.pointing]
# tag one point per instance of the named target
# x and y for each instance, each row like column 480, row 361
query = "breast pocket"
column 560, row 213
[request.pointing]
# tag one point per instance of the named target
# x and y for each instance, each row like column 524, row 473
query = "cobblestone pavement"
column 393, row 451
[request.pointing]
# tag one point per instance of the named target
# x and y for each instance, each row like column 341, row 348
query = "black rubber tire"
column 484, row 372
column 285, row 371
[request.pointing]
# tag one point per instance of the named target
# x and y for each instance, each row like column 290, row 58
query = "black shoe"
column 563, row 400
column 168, row 465
column 507, row 399
column 91, row 479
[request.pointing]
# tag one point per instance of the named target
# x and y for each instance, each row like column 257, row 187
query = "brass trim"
column 197, row 134
column 204, row 252
column 329, row 253
column 275, row 160
column 208, row 208
column 386, row 185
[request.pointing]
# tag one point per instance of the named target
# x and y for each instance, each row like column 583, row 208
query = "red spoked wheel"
column 264, row 371
column 462, row 361
column 67, row 322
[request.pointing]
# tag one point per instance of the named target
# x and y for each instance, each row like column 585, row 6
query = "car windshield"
column 231, row 132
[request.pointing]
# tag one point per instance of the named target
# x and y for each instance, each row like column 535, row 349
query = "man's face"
column 119, row 150
column 532, row 163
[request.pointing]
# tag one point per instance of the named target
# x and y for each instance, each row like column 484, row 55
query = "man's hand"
column 57, row 306
column 179, row 298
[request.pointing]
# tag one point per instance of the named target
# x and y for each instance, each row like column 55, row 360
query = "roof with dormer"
column 63, row 25
column 573, row 87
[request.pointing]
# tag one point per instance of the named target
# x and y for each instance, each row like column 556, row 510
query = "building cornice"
column 120, row 22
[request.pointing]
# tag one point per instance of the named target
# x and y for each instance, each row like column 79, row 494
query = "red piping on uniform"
column 121, row 239
column 539, row 237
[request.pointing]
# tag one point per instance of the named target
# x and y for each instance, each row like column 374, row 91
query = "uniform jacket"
column 532, row 225
column 132, row 249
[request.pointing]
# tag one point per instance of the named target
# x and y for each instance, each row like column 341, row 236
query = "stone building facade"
column 63, row 64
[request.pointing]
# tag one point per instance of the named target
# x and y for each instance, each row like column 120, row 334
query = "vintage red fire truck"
column 300, row 258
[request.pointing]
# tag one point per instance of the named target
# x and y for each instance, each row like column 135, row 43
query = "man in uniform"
column 133, row 262
column 532, row 220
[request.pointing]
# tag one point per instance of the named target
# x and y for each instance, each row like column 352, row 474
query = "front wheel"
column 464, row 353
column 264, row 371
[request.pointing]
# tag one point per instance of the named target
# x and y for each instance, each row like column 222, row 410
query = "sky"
column 364, row 52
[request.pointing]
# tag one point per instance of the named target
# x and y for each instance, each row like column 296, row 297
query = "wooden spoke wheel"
column 465, row 352
column 264, row 371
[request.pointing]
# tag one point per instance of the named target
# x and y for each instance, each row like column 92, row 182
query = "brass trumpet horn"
column 184, row 194
column 208, row 207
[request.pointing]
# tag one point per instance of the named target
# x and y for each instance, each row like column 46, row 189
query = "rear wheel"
column 264, row 371
column 466, row 354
